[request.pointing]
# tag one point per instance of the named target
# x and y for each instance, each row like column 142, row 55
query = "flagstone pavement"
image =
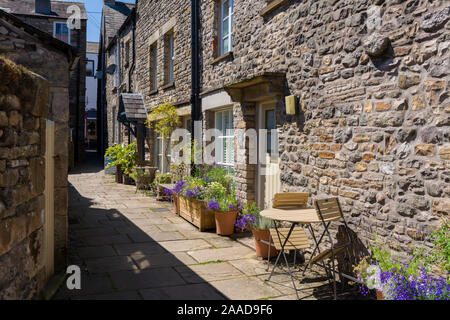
column 130, row 246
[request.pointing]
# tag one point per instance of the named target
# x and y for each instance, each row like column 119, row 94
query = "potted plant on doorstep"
column 260, row 227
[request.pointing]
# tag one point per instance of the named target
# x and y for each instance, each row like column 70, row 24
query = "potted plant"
column 128, row 160
column 225, row 211
column 260, row 227
column 114, row 155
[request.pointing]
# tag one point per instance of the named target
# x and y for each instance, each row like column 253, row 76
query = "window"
column 116, row 71
column 168, row 53
column 153, row 67
column 61, row 32
column 224, row 143
column 90, row 68
column 226, row 22
column 127, row 54
column 270, row 125
column 162, row 153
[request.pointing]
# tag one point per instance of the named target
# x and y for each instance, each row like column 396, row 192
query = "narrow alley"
column 130, row 246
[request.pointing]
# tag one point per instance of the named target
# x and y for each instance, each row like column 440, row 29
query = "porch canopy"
column 261, row 87
column 132, row 114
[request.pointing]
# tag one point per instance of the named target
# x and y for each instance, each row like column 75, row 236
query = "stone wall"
column 24, row 106
column 372, row 124
column 54, row 66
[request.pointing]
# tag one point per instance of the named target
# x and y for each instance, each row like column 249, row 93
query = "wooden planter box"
column 195, row 212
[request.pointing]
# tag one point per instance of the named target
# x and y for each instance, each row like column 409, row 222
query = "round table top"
column 297, row 215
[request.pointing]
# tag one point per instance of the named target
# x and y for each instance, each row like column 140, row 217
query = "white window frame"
column 224, row 139
column 229, row 37
column 160, row 151
column 54, row 30
column 171, row 40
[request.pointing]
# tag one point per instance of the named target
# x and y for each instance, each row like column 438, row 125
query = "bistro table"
column 296, row 216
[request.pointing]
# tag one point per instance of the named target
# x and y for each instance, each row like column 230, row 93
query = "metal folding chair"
column 328, row 210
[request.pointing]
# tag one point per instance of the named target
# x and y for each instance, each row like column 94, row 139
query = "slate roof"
column 132, row 105
column 26, row 7
column 44, row 37
column 114, row 16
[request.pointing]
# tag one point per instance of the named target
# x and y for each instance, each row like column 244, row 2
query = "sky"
column 94, row 14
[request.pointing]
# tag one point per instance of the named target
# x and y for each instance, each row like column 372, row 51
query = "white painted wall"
column 91, row 84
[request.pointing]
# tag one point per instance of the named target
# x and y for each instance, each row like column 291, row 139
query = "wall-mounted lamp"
column 290, row 104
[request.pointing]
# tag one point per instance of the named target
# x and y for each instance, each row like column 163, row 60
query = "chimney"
column 42, row 6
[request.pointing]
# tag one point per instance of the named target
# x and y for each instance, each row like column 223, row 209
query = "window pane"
column 225, row 46
column 225, row 28
column 90, row 69
column 225, row 9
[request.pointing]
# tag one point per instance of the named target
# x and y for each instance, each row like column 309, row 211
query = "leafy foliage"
column 124, row 156
column 164, row 118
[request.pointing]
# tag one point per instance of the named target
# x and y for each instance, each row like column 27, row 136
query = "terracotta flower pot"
column 262, row 249
column 379, row 295
column 225, row 222
column 176, row 204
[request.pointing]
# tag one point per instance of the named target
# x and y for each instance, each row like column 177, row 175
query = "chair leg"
column 290, row 274
column 295, row 256
column 268, row 255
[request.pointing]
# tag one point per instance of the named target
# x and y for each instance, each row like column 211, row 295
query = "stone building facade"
column 163, row 58
column 48, row 22
column 24, row 106
column 115, row 14
column 370, row 80
column 52, row 59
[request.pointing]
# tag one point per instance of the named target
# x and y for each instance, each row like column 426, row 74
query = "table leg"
column 283, row 244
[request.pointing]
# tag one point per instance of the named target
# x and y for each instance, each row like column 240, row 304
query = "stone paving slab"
column 184, row 245
column 189, row 292
column 107, row 264
column 208, row 272
column 96, row 252
column 162, row 260
column 123, row 295
column 144, row 279
column 245, row 289
column 139, row 248
column 106, row 239
column 223, row 254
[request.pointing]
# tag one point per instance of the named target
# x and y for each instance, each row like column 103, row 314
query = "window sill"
column 152, row 92
column 168, row 86
column 226, row 56
column 273, row 6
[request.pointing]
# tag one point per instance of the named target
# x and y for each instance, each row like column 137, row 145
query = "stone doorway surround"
column 248, row 94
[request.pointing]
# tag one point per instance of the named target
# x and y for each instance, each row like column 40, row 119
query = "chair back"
column 290, row 200
column 328, row 209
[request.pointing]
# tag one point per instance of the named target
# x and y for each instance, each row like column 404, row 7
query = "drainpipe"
column 195, row 76
column 133, row 23
column 119, row 80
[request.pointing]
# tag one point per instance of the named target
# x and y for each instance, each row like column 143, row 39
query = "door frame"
column 261, row 108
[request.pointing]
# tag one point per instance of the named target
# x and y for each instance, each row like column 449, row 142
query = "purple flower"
column 179, row 185
column 213, row 205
